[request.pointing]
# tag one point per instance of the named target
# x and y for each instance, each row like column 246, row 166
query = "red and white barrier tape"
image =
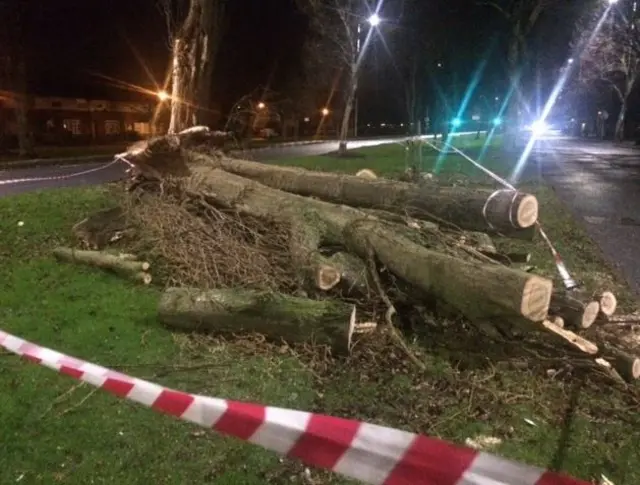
column 366, row 452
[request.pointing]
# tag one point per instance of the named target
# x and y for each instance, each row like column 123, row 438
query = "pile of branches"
column 320, row 258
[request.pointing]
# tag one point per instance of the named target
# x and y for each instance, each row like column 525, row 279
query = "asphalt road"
column 99, row 171
column 600, row 183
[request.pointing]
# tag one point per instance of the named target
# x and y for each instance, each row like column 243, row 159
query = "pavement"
column 600, row 183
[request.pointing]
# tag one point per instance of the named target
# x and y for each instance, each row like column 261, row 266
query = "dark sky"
column 117, row 38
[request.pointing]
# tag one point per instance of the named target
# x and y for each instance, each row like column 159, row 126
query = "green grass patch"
column 56, row 432
column 52, row 437
column 393, row 159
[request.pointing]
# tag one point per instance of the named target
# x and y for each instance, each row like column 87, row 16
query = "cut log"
column 365, row 173
column 469, row 208
column 142, row 277
column 123, row 267
column 608, row 303
column 352, row 271
column 571, row 339
column 628, row 366
column 476, row 290
column 575, row 313
column 276, row 316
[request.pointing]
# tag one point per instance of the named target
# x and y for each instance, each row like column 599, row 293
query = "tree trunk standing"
column 25, row 138
column 194, row 49
column 619, row 132
column 348, row 108
column 213, row 12
column 182, row 75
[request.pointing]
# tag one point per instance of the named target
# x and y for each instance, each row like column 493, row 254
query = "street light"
column 162, row 95
column 374, row 20
column 325, row 111
column 611, row 2
column 261, row 105
column 570, row 60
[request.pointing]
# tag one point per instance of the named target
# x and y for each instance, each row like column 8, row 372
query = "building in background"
column 58, row 120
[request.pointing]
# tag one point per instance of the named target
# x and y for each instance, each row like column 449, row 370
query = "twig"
column 391, row 312
column 82, row 401
column 61, row 398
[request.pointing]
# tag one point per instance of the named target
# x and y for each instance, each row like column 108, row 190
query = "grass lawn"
column 56, row 432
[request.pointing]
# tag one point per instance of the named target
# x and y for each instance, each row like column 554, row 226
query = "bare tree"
column 338, row 26
column 195, row 32
column 610, row 57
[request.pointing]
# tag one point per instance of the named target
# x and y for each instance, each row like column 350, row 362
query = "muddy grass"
column 471, row 386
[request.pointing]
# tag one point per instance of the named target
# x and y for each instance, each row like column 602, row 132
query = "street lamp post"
column 373, row 20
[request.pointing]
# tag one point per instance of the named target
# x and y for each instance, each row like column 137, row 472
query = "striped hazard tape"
column 367, row 452
column 117, row 159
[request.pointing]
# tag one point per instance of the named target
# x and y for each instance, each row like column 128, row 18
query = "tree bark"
column 619, row 131
column 194, row 49
column 473, row 209
column 276, row 316
column 475, row 290
column 348, row 108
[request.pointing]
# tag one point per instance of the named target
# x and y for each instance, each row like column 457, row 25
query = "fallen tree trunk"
column 468, row 208
column 478, row 291
column 276, row 316
column 134, row 270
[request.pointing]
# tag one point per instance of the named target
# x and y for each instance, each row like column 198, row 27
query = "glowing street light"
column 261, row 105
column 456, row 122
column 497, row 121
column 611, row 2
column 570, row 61
column 374, row 20
column 325, row 111
column 162, row 95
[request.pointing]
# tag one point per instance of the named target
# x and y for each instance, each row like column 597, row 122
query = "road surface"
column 95, row 172
column 600, row 183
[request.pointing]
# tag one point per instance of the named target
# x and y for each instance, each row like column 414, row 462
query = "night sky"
column 74, row 40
